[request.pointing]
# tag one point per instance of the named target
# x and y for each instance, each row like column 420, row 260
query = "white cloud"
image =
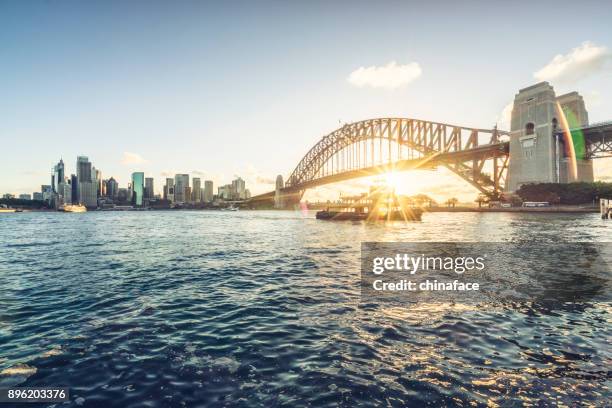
column 132, row 158
column 390, row 76
column 580, row 62
column 503, row 120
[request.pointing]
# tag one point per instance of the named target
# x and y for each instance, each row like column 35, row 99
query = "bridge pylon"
column 538, row 151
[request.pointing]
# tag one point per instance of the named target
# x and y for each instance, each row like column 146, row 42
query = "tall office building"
column 74, row 187
column 138, row 189
column 58, row 176
column 112, row 188
column 208, row 191
column 181, row 183
column 225, row 192
column 149, row 193
column 197, row 190
column 87, row 192
column 169, row 190
column 238, row 188
column 96, row 178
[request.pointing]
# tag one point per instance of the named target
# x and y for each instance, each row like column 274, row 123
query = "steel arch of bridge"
column 376, row 146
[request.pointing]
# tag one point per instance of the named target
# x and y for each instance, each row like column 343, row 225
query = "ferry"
column 5, row 209
column 78, row 208
column 378, row 205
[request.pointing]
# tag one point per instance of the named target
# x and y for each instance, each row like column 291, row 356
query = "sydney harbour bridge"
column 481, row 157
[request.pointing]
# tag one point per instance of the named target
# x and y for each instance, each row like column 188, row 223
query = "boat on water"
column 7, row 210
column 77, row 208
column 380, row 204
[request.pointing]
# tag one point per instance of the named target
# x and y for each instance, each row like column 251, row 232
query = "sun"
column 394, row 180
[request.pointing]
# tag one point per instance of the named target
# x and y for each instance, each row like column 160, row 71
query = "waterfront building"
column 188, row 197
column 225, row 192
column 25, row 197
column 87, row 191
column 37, row 196
column 47, row 193
column 64, row 194
column 181, row 183
column 8, row 196
column 138, row 189
column 208, row 191
column 169, row 190
column 238, row 189
column 57, row 176
column 197, row 190
column 149, row 193
column 74, row 185
column 122, row 195
column 96, row 178
column 112, row 188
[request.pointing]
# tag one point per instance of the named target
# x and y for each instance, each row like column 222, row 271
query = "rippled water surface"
column 195, row 308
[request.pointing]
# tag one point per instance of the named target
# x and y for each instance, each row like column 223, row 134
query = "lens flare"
column 569, row 143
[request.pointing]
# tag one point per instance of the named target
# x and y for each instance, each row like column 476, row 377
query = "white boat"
column 73, row 208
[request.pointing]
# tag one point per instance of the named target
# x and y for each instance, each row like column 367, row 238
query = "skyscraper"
column 74, row 187
column 87, row 192
column 112, row 188
column 181, row 182
column 138, row 188
column 208, row 191
column 197, row 191
column 149, row 193
column 169, row 190
column 238, row 188
column 58, row 176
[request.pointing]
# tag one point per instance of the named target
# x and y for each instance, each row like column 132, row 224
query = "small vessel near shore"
column 380, row 204
column 76, row 208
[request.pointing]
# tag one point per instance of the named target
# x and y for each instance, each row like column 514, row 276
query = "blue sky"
column 218, row 89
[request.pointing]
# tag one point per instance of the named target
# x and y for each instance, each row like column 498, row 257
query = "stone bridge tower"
column 537, row 154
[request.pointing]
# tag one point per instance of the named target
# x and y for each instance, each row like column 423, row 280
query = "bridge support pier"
column 537, row 153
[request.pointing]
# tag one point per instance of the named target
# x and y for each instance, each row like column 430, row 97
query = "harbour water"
column 197, row 308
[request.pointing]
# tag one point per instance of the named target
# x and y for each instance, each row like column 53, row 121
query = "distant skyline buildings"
column 138, row 188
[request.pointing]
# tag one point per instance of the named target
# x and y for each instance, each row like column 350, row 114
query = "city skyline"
column 137, row 91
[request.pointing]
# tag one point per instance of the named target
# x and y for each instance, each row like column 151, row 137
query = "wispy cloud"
column 130, row 158
column 390, row 76
column 581, row 62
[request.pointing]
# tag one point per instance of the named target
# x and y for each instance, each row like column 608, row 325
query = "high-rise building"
column 74, row 186
column 149, row 193
column 188, row 197
column 64, row 193
column 169, row 190
column 238, row 188
column 181, row 183
column 47, row 193
column 225, row 192
column 58, row 176
column 122, row 195
column 197, row 191
column 87, row 191
column 112, row 188
column 138, row 189
column 83, row 169
column 96, row 178
column 208, row 191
